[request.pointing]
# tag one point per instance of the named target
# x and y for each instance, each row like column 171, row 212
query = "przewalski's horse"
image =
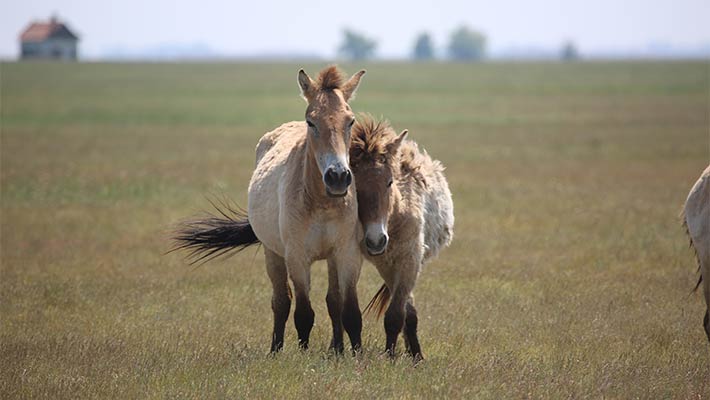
column 406, row 210
column 696, row 219
column 302, row 208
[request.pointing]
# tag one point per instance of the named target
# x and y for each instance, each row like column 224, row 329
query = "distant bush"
column 569, row 52
column 467, row 45
column 423, row 48
column 357, row 46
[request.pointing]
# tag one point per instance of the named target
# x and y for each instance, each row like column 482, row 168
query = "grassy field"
column 569, row 275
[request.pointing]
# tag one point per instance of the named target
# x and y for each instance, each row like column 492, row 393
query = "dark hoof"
column 336, row 348
column 390, row 354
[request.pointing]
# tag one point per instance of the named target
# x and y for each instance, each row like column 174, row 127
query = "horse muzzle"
column 337, row 179
column 377, row 246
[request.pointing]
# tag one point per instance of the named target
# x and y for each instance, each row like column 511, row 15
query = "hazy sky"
column 302, row 26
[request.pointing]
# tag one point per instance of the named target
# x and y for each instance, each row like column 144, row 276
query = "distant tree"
column 569, row 52
column 467, row 44
column 423, row 47
column 357, row 46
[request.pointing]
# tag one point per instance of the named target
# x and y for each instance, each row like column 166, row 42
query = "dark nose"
column 376, row 246
column 338, row 177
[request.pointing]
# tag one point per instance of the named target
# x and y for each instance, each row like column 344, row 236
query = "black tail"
column 214, row 235
column 379, row 302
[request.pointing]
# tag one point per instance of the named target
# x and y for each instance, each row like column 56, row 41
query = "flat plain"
column 569, row 275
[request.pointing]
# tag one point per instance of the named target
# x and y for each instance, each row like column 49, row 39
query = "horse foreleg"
column 401, row 285
column 349, row 262
column 394, row 321
column 411, row 340
column 303, row 315
column 335, row 308
column 280, row 298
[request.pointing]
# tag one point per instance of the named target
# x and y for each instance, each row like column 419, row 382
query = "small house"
column 48, row 40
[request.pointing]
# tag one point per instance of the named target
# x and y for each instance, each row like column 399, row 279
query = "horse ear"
column 394, row 145
column 351, row 85
column 306, row 84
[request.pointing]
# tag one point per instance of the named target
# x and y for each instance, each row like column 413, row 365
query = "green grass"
column 569, row 275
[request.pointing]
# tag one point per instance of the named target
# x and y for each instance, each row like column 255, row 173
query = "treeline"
column 465, row 44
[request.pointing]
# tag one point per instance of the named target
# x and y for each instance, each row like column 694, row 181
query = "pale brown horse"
column 302, row 208
column 405, row 207
column 696, row 219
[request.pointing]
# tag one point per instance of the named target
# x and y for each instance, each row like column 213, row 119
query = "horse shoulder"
column 274, row 154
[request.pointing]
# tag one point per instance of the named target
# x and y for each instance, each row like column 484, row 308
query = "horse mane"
column 369, row 139
column 330, row 78
column 415, row 163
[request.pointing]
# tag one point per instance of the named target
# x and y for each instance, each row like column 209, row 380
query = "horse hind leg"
column 280, row 299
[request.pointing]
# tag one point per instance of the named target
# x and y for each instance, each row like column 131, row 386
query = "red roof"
column 39, row 31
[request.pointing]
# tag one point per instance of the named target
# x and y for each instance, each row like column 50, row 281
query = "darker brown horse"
column 405, row 207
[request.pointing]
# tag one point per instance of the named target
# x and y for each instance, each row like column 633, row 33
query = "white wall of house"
column 63, row 49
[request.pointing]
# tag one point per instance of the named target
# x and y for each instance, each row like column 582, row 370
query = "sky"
column 239, row 28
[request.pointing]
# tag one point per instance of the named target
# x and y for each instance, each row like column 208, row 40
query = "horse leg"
column 280, row 298
column 303, row 315
column 411, row 340
column 705, row 273
column 335, row 308
column 349, row 262
column 394, row 321
column 395, row 315
column 704, row 258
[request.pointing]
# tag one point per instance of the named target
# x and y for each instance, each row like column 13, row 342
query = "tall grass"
column 569, row 274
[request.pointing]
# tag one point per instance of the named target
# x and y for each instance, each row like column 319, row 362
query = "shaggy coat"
column 414, row 213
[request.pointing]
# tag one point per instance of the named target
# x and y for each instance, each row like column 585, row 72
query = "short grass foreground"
column 569, row 274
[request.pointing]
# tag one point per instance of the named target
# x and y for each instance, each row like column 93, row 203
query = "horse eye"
column 312, row 127
column 389, row 183
column 350, row 125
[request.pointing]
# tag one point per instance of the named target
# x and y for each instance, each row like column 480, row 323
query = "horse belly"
column 264, row 218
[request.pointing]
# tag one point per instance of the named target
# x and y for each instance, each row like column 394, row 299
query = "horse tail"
column 379, row 302
column 692, row 246
column 213, row 235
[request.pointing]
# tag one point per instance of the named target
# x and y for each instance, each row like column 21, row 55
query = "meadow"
column 569, row 275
